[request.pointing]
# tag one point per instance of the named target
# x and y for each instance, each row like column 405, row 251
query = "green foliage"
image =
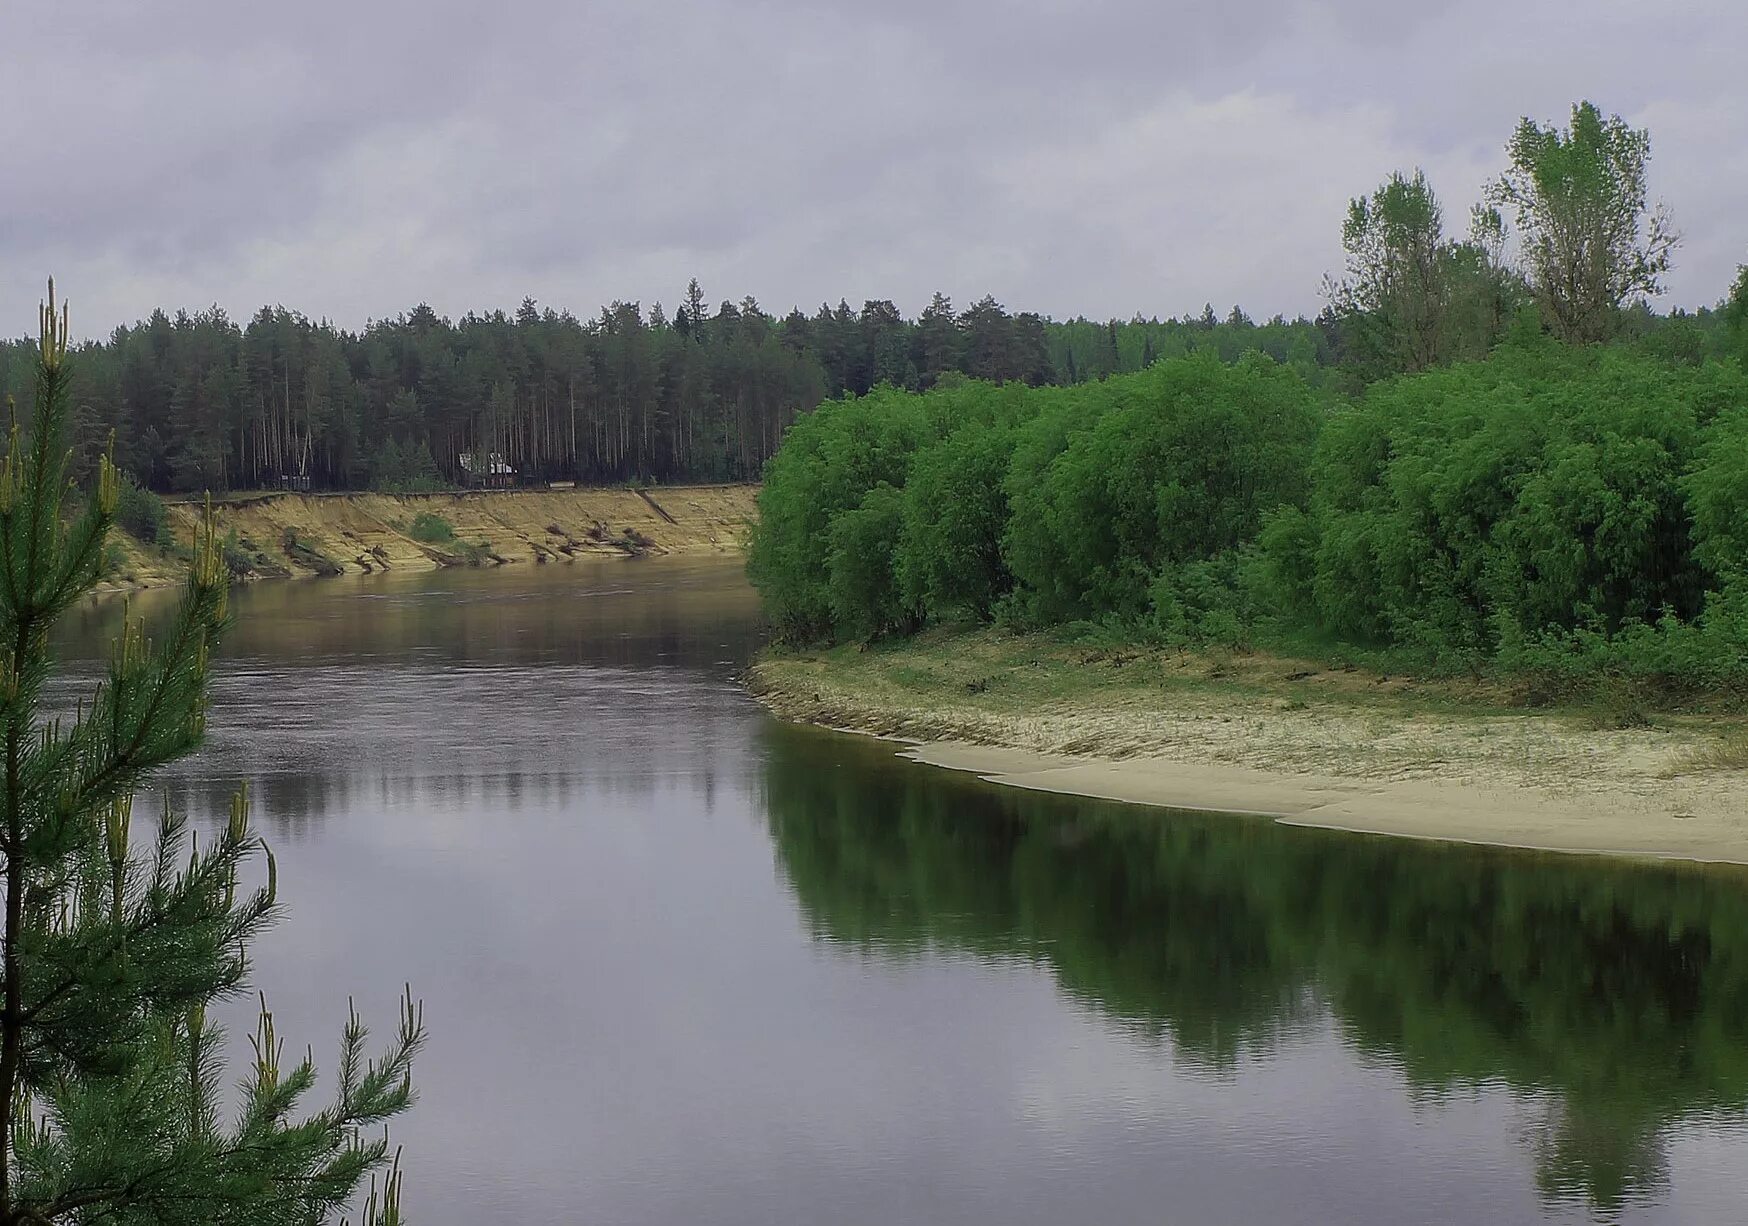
column 1578, row 195
column 1733, row 341
column 1483, row 506
column 141, row 514
column 828, row 465
column 238, row 563
column 200, row 401
column 1717, row 490
column 1398, row 261
column 431, row 529
column 407, row 468
column 949, row 559
column 1412, row 298
column 115, row 947
column 1096, row 501
column 861, row 581
column 1176, row 467
column 1570, row 515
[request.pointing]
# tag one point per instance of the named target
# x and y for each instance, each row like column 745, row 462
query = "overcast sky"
column 1103, row 157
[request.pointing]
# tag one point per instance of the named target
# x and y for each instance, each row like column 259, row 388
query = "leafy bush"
column 1575, row 516
column 1717, row 491
column 1179, row 465
column 950, row 560
column 829, row 462
column 142, row 515
column 866, row 599
column 238, row 563
column 1542, row 492
column 431, row 529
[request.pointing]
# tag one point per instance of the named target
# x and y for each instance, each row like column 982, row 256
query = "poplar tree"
column 1394, row 297
column 119, row 942
column 1591, row 242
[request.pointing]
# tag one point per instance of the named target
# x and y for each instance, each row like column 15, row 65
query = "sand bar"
column 1339, row 751
column 1596, row 821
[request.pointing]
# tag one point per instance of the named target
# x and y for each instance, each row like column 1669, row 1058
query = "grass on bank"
column 1727, row 752
column 973, row 683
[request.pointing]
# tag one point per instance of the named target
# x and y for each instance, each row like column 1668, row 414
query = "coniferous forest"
column 1500, row 458
column 197, row 401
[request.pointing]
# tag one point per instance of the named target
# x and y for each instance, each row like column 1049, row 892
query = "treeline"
column 1542, row 478
column 197, row 401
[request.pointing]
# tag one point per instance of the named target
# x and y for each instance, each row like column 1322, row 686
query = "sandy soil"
column 1336, row 756
column 360, row 533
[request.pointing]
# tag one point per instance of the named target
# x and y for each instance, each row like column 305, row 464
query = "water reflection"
column 684, row 965
column 462, row 689
column 1617, row 993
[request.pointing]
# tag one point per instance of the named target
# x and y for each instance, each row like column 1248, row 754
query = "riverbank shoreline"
column 278, row 535
column 1287, row 739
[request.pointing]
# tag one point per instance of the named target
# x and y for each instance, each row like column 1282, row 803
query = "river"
column 681, row 964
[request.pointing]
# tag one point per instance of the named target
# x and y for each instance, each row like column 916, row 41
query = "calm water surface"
column 684, row 965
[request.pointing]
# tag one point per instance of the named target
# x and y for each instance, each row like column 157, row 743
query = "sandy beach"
column 1271, row 737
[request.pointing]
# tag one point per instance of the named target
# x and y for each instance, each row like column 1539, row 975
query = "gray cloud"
column 1097, row 156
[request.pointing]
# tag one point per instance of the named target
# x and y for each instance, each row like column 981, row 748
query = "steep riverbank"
column 1288, row 739
column 281, row 535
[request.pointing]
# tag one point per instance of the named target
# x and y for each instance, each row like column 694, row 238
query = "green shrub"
column 1717, row 491
column 142, row 515
column 1178, row 466
column 866, row 599
column 829, row 462
column 1575, row 516
column 404, row 468
column 431, row 529
column 237, row 560
column 950, row 562
column 1464, row 512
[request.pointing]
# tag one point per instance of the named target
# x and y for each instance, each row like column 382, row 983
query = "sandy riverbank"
column 1283, row 738
column 293, row 535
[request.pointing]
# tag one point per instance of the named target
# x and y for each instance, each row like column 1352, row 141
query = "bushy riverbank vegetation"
column 1553, row 491
column 1552, row 509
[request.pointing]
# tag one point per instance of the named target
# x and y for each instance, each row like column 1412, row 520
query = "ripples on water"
column 683, row 965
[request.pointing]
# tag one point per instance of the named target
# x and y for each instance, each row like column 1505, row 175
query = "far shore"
column 1286, row 739
column 279, row 535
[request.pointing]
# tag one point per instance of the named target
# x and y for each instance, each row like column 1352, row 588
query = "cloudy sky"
column 1103, row 157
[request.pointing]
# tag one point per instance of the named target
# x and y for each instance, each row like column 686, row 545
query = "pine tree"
column 113, row 953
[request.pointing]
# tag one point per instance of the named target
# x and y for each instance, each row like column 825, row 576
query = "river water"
column 682, row 964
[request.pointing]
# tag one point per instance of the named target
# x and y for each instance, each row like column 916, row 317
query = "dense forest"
column 196, row 401
column 1513, row 464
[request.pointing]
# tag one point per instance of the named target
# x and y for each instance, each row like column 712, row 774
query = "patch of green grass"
column 431, row 529
column 913, row 678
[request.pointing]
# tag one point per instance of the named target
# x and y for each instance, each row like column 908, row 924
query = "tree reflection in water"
column 1618, row 992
